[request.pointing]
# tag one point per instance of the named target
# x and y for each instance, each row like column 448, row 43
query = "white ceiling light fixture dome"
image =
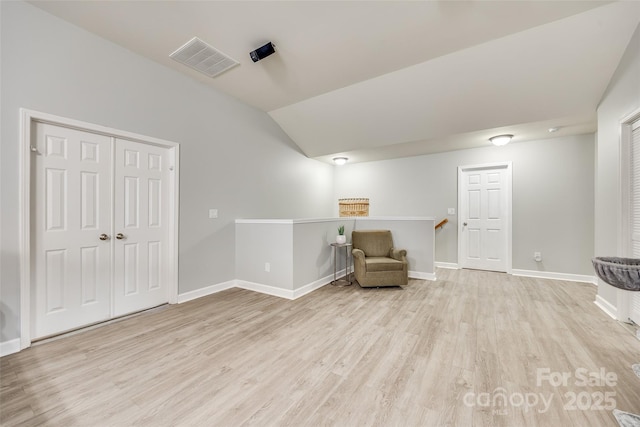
column 500, row 140
column 340, row 160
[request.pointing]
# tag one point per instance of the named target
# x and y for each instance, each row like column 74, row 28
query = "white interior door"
column 484, row 198
column 72, row 208
column 141, row 213
column 97, row 254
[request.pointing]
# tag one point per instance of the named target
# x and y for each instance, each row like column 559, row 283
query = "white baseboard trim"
column 316, row 284
column 449, row 265
column 265, row 289
column 607, row 307
column 422, row 275
column 258, row 287
column 203, row 292
column 555, row 276
column 9, row 347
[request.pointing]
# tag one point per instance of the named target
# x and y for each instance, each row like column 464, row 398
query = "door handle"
column 464, row 224
column 104, row 237
column 120, row 236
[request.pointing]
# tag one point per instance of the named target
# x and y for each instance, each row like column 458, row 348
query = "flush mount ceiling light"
column 500, row 140
column 340, row 160
column 554, row 129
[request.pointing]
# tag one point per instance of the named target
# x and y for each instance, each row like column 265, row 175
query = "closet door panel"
column 71, row 199
column 141, row 208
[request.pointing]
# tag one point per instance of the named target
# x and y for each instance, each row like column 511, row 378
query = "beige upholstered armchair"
column 376, row 262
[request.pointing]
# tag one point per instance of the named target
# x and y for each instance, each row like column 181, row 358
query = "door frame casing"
column 27, row 118
column 508, row 223
column 623, row 302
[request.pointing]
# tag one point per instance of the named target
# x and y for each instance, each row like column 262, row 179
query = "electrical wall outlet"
column 267, row 267
column 213, row 213
column 537, row 256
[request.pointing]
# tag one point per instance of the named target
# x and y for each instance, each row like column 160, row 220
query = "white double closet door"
column 99, row 228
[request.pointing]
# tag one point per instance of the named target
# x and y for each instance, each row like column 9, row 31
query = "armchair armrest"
column 399, row 254
column 359, row 264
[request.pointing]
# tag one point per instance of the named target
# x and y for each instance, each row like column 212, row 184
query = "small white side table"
column 346, row 281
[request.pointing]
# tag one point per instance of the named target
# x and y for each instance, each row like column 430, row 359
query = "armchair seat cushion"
column 375, row 263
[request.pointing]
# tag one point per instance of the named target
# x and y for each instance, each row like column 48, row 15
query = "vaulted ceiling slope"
column 374, row 80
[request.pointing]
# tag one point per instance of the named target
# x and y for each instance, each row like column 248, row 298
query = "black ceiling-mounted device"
column 262, row 52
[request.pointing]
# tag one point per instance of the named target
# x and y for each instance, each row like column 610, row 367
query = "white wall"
column 298, row 252
column 621, row 98
column 260, row 243
column 233, row 157
column 312, row 253
column 301, row 258
column 552, row 197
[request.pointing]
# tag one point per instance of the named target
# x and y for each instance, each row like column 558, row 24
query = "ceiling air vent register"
column 204, row 58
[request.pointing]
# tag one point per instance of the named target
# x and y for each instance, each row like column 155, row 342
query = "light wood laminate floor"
column 471, row 349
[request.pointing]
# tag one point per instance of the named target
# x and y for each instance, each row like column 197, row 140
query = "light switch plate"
column 451, row 211
column 213, row 213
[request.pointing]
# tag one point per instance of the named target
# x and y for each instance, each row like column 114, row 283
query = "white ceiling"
column 375, row 80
